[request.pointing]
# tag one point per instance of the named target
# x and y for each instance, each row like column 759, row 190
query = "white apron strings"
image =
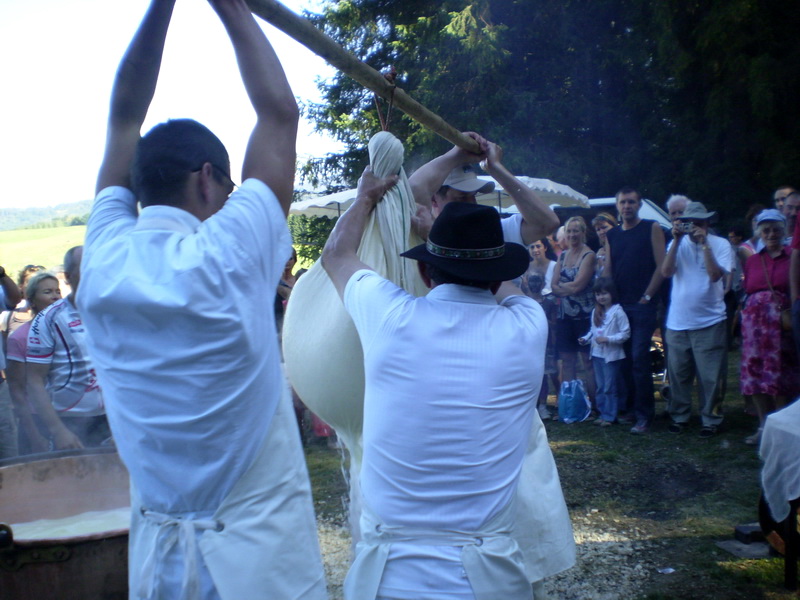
column 177, row 530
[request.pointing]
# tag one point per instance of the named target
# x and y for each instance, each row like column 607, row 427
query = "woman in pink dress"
column 769, row 360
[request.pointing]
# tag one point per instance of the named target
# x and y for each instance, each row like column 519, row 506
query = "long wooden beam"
column 319, row 43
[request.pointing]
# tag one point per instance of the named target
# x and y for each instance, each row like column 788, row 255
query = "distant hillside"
column 44, row 247
column 63, row 214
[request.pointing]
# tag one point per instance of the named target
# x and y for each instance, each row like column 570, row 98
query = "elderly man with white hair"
column 676, row 204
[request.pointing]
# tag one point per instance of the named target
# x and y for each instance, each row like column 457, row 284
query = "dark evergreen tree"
column 669, row 96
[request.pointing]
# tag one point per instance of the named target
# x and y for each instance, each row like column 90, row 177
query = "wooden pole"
column 312, row 38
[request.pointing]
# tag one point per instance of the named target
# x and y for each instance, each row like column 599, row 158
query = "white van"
column 649, row 210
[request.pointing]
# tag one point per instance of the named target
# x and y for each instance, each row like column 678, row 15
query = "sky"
column 57, row 63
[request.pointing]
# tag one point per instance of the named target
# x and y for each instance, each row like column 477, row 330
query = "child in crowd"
column 609, row 330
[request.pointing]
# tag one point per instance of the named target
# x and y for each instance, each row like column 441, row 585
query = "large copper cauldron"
column 55, row 486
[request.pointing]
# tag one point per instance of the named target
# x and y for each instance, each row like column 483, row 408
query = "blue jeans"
column 636, row 367
column 606, row 376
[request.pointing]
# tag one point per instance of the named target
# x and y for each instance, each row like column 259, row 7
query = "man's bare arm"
column 132, row 93
column 271, row 154
column 426, row 180
column 608, row 268
column 10, row 289
column 538, row 220
column 39, row 398
column 670, row 265
column 657, row 243
column 339, row 258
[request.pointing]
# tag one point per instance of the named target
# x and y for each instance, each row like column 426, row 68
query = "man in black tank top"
column 635, row 251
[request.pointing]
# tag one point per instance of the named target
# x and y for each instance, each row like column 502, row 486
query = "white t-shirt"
column 182, row 334
column 448, row 405
column 695, row 301
column 512, row 229
column 57, row 337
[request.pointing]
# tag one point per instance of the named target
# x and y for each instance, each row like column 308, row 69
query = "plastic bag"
column 573, row 405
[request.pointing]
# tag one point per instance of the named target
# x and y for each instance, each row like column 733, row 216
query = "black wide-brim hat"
column 466, row 240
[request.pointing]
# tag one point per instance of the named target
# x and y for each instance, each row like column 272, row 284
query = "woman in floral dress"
column 769, row 360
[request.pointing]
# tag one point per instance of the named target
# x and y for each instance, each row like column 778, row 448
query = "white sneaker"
column 544, row 412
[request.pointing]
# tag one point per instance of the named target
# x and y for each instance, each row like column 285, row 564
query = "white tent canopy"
column 551, row 192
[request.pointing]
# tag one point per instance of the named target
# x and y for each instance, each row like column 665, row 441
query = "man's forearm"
column 669, row 267
column 426, row 180
column 713, row 269
column 10, row 290
column 339, row 257
column 261, row 70
column 346, row 236
column 137, row 74
column 134, row 86
column 655, row 283
column 538, row 219
column 39, row 398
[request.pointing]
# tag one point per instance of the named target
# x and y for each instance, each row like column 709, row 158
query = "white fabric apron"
column 260, row 543
column 542, row 527
column 490, row 556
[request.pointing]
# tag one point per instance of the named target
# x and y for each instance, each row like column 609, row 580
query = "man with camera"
column 697, row 263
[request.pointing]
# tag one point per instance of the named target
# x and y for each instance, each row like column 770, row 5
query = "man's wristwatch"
column 646, row 297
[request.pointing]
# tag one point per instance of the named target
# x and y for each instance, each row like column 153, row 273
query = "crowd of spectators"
column 703, row 294
column 49, row 397
column 717, row 294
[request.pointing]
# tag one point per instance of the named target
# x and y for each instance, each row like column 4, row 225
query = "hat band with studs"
column 467, row 254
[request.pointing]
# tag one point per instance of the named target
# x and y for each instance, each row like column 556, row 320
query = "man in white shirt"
column 697, row 263
column 448, row 406
column 451, row 177
column 62, row 385
column 176, row 303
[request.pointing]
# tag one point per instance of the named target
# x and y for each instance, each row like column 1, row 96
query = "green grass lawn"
column 44, row 247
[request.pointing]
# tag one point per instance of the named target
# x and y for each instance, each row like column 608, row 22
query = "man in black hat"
column 448, row 407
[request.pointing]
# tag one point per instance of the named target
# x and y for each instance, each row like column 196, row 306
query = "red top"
column 755, row 279
column 796, row 235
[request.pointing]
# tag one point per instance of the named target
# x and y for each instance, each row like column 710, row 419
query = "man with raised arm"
column 451, row 178
column 445, row 429
column 175, row 306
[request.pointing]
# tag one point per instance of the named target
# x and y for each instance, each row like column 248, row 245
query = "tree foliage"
column 695, row 97
column 309, row 235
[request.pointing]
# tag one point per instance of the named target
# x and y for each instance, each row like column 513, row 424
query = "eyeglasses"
column 226, row 179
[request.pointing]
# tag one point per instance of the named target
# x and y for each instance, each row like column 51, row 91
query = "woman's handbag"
column 786, row 313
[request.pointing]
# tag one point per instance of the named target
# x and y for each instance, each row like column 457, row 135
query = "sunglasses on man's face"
column 223, row 175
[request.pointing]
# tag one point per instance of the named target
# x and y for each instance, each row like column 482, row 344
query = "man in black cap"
column 452, row 177
column 448, row 407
